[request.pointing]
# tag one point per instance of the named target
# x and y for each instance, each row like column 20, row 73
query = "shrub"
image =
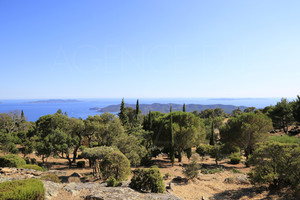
column 191, row 171
column 167, row 175
column 79, row 156
column 235, row 158
column 211, row 171
column 11, row 160
column 285, row 139
column 50, row 177
column 112, row 182
column 35, row 167
column 81, row 164
column 276, row 164
column 115, row 164
column 236, row 171
column 33, row 161
column 82, row 147
column 27, row 160
column 29, row 189
column 147, row 180
column 203, row 150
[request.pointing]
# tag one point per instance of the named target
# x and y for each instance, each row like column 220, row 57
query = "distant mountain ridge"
column 55, row 101
column 164, row 108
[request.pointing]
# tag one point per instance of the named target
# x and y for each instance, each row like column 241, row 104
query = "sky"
column 149, row 49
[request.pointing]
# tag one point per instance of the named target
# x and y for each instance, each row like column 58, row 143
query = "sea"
column 81, row 108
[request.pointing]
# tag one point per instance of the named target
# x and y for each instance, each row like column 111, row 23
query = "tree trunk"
column 70, row 161
column 179, row 156
column 75, row 154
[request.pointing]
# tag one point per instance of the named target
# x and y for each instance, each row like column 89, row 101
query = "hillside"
column 164, row 108
column 55, row 101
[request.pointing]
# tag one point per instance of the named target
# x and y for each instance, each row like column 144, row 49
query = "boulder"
column 57, row 172
column 75, row 174
column 52, row 189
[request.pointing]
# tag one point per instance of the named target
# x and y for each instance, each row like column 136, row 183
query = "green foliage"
column 132, row 146
column 246, row 130
column 191, row 170
column 282, row 114
column 296, row 109
column 29, row 189
column 276, row 164
column 112, row 182
column 11, row 160
column 235, row 158
column 82, row 147
column 115, row 164
column 203, row 150
column 28, row 166
column 81, row 164
column 167, row 175
column 286, row 139
column 236, row 171
column 211, row 171
column 148, row 180
column 50, row 177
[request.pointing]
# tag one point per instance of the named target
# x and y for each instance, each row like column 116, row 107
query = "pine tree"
column 137, row 109
column 183, row 109
column 212, row 137
column 172, row 152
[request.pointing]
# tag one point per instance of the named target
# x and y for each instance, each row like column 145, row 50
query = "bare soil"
column 210, row 186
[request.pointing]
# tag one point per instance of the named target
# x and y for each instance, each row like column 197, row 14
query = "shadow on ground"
column 253, row 192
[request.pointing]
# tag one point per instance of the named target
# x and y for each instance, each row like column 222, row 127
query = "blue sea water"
column 81, row 109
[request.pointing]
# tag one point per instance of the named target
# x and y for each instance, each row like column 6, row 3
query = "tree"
column 122, row 114
column 296, row 109
column 95, row 156
column 277, row 164
column 116, row 165
column 249, row 109
column 236, row 112
column 188, row 131
column 183, row 108
column 282, row 115
column 246, row 130
column 172, row 148
column 77, row 129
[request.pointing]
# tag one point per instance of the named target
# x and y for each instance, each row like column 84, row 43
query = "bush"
column 115, row 164
column 29, row 189
column 50, row 177
column 147, row 180
column 33, row 161
column 35, row 167
column 276, row 164
column 82, row 147
column 211, row 171
column 81, row 164
column 286, row 139
column 79, row 156
column 203, row 150
column 11, row 160
column 112, row 182
column 235, row 158
column 191, row 171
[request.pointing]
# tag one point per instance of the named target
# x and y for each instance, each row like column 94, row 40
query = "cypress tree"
column 137, row 109
column 150, row 120
column 183, row 109
column 22, row 115
column 212, row 137
column 172, row 152
column 122, row 114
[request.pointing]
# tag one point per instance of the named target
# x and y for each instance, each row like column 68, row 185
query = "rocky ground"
column 75, row 189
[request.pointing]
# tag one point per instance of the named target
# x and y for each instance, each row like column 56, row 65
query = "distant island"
column 55, row 101
column 164, row 108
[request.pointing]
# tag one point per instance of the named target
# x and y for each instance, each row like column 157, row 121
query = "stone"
column 52, row 189
column 171, row 186
column 6, row 170
column 203, row 198
column 75, row 174
column 57, row 172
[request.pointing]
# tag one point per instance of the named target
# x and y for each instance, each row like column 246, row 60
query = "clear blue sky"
column 154, row 48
